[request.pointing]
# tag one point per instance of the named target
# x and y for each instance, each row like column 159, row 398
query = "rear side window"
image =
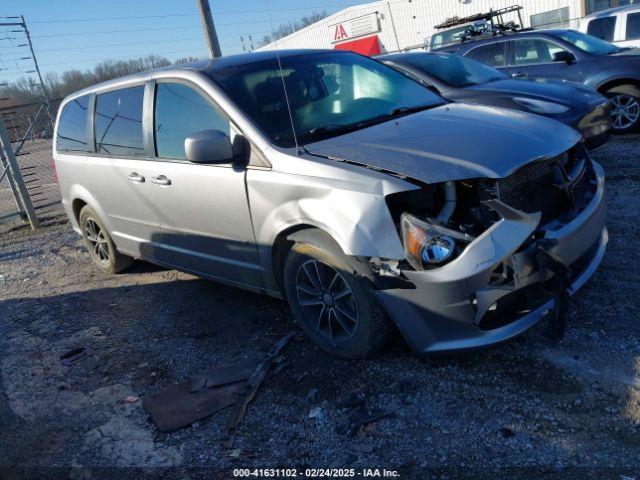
column 534, row 51
column 493, row 54
column 182, row 111
column 602, row 28
column 72, row 127
column 633, row 26
column 118, row 122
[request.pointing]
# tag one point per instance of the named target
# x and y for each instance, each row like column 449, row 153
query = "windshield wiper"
column 406, row 110
column 334, row 128
column 339, row 128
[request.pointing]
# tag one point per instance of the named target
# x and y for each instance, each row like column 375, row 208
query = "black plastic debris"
column 206, row 393
column 74, row 356
column 251, row 388
column 224, row 375
column 199, row 396
column 561, row 281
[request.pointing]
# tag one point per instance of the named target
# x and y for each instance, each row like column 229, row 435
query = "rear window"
column 602, row 28
column 448, row 36
column 452, row 69
column 72, row 127
column 633, row 26
column 118, row 122
column 493, row 54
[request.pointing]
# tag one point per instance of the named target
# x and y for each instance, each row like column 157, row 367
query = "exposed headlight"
column 429, row 245
column 540, row 106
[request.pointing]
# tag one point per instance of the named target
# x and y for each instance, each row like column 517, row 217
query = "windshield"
column 329, row 94
column 448, row 36
column 452, row 69
column 587, row 43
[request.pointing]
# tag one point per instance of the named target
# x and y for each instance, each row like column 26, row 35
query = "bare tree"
column 287, row 28
column 26, row 90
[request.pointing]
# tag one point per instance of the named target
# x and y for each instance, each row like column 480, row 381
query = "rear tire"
column 102, row 250
column 625, row 116
column 331, row 297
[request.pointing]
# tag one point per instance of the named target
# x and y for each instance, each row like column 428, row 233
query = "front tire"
column 625, row 100
column 331, row 297
column 102, row 250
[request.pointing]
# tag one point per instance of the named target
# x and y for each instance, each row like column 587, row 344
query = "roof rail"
column 500, row 24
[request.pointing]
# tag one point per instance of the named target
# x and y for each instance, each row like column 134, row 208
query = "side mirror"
column 564, row 56
column 208, row 146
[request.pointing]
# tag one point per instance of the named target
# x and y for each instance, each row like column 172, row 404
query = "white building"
column 394, row 25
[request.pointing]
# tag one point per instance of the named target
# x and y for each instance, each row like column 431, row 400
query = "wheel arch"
column 283, row 243
column 80, row 197
column 617, row 82
column 77, row 204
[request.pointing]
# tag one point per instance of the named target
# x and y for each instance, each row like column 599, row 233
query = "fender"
column 353, row 212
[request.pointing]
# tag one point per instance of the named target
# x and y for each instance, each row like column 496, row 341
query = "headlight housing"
column 540, row 106
column 428, row 244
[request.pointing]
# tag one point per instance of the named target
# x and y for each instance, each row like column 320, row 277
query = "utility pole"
column 16, row 176
column 209, row 28
column 25, row 30
column 35, row 62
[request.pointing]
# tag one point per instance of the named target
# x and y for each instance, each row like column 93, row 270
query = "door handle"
column 519, row 74
column 136, row 177
column 161, row 180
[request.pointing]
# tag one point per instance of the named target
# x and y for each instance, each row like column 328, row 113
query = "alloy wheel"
column 327, row 301
column 97, row 239
column 626, row 111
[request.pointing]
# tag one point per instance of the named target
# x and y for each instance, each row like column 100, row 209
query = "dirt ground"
column 526, row 409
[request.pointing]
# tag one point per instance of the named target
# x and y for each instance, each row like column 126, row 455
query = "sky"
column 77, row 34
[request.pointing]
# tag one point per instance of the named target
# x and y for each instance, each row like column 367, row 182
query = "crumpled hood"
column 566, row 93
column 452, row 142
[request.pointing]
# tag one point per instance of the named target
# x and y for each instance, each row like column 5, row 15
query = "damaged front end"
column 486, row 259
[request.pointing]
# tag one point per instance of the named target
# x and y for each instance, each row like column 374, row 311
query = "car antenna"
column 284, row 86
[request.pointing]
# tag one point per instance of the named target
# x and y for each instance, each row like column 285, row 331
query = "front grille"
column 558, row 187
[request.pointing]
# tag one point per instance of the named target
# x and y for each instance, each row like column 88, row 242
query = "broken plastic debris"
column 74, row 356
column 315, row 412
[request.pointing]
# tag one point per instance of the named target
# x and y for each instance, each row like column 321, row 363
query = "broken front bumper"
column 454, row 307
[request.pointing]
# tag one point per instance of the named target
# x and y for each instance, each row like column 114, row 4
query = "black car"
column 460, row 79
column 568, row 55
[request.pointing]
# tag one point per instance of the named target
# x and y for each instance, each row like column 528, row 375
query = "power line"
column 132, row 43
column 228, row 12
column 174, row 27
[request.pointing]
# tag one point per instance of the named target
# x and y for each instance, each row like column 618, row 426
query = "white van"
column 619, row 25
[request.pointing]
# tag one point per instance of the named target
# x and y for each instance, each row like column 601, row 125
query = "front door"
column 203, row 209
column 533, row 58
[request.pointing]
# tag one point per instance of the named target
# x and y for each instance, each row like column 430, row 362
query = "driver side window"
column 181, row 111
column 528, row 52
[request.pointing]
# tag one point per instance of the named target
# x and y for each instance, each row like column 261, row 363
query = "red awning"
column 366, row 46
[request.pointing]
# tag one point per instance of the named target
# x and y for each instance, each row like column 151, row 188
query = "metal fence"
column 30, row 130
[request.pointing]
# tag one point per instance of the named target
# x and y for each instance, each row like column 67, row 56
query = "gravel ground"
column 527, row 409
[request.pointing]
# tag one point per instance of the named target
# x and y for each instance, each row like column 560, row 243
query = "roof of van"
column 208, row 66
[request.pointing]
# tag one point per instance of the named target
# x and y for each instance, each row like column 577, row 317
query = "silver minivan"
column 327, row 178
